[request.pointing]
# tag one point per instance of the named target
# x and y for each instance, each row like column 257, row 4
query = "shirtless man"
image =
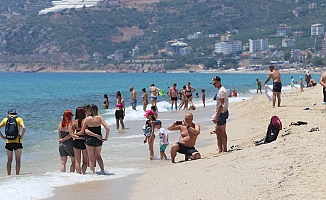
column 258, row 85
column 322, row 81
column 189, row 132
column 174, row 96
column 277, row 85
column 133, row 101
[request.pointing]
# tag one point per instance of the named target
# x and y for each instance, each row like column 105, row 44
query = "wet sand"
column 292, row 167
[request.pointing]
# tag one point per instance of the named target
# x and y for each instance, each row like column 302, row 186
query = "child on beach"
column 149, row 132
column 301, row 84
column 164, row 139
column 203, row 96
column 154, row 110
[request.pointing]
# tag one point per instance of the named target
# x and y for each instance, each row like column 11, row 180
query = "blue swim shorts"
column 134, row 103
column 163, row 147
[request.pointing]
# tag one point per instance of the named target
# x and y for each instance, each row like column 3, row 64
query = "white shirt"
column 162, row 132
column 222, row 94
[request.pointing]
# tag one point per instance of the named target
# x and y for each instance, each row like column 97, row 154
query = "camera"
column 179, row 122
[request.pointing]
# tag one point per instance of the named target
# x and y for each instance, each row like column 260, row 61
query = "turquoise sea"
column 41, row 98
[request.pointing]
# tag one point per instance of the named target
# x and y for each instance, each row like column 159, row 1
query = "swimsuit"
column 154, row 97
column 187, row 93
column 186, row 150
column 91, row 140
column 79, row 143
column 119, row 112
column 277, row 87
column 174, row 98
column 134, row 103
column 13, row 146
column 65, row 148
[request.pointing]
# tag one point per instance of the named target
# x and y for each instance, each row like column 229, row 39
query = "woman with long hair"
column 94, row 139
column 119, row 111
column 106, row 102
column 79, row 141
column 65, row 141
column 149, row 132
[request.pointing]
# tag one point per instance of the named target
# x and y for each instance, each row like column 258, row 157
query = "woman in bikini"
column 149, row 132
column 106, row 102
column 94, row 139
column 120, row 111
column 79, row 141
column 154, row 91
column 189, row 91
column 65, row 141
column 144, row 99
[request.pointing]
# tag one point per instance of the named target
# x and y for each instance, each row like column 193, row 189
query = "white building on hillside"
column 228, row 47
column 317, row 30
column 68, row 4
column 258, row 45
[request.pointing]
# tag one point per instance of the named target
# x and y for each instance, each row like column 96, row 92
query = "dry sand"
column 292, row 167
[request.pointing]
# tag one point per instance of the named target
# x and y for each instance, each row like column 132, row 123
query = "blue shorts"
column 163, row 147
column 134, row 103
column 222, row 118
column 154, row 97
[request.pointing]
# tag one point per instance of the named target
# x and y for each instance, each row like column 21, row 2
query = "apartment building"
column 317, row 30
column 258, row 45
column 228, row 47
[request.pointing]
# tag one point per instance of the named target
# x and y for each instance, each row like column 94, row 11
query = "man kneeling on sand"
column 189, row 132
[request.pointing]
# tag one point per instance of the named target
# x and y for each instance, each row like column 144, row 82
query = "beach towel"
column 269, row 93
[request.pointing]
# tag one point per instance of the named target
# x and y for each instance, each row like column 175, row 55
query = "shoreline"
column 171, row 72
column 256, row 172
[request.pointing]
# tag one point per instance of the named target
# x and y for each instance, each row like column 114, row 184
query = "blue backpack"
column 11, row 129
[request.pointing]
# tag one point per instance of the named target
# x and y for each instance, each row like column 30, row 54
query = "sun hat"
column 12, row 111
column 148, row 112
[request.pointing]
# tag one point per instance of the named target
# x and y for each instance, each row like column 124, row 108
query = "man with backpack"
column 12, row 125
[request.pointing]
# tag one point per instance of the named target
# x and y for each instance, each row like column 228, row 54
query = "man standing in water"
column 13, row 141
column 133, row 101
column 173, row 93
column 323, row 83
column 189, row 132
column 277, row 85
column 222, row 113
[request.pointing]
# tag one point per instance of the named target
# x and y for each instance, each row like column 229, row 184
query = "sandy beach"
column 292, row 167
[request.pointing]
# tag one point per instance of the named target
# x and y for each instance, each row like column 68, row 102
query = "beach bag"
column 147, row 130
column 11, row 129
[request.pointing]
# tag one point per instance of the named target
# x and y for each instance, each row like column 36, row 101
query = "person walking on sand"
column 14, row 140
column 322, row 81
column 94, row 139
column 144, row 99
column 258, row 85
column 173, row 93
column 65, row 130
column 277, row 85
column 133, row 100
column 189, row 132
column 221, row 115
column 307, row 78
column 119, row 111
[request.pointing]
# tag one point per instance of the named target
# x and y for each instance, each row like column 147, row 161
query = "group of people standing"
column 82, row 139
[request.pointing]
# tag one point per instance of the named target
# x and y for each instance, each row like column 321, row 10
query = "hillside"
column 75, row 35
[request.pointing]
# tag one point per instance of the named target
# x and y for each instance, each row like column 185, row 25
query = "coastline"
column 292, row 167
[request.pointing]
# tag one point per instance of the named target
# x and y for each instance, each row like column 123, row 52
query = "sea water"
column 41, row 98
